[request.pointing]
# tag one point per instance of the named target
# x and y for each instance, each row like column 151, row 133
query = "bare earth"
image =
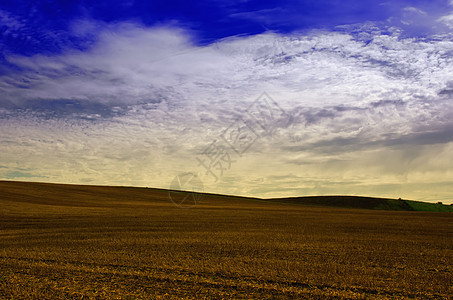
column 80, row 242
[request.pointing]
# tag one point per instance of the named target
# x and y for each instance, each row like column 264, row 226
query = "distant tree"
column 440, row 203
column 400, row 199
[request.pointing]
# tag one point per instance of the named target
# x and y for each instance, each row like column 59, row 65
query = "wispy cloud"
column 10, row 22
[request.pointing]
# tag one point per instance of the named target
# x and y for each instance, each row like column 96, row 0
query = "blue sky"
column 31, row 27
column 135, row 92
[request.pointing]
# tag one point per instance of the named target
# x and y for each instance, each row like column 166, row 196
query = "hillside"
column 101, row 196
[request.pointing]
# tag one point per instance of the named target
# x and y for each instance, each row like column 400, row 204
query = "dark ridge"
column 365, row 203
column 344, row 201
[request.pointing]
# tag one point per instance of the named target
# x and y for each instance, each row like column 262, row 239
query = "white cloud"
column 132, row 64
column 412, row 9
column 447, row 20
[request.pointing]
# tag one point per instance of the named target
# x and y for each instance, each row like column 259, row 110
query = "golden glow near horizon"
column 371, row 119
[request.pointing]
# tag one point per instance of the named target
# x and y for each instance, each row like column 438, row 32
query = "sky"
column 254, row 98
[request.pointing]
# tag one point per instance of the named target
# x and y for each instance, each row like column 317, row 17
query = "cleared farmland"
column 86, row 242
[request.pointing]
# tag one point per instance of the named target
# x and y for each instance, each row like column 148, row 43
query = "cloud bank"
column 368, row 111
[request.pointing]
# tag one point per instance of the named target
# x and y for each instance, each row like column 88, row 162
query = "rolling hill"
column 99, row 196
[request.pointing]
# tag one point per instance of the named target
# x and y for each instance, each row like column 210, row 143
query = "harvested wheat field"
column 87, row 242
